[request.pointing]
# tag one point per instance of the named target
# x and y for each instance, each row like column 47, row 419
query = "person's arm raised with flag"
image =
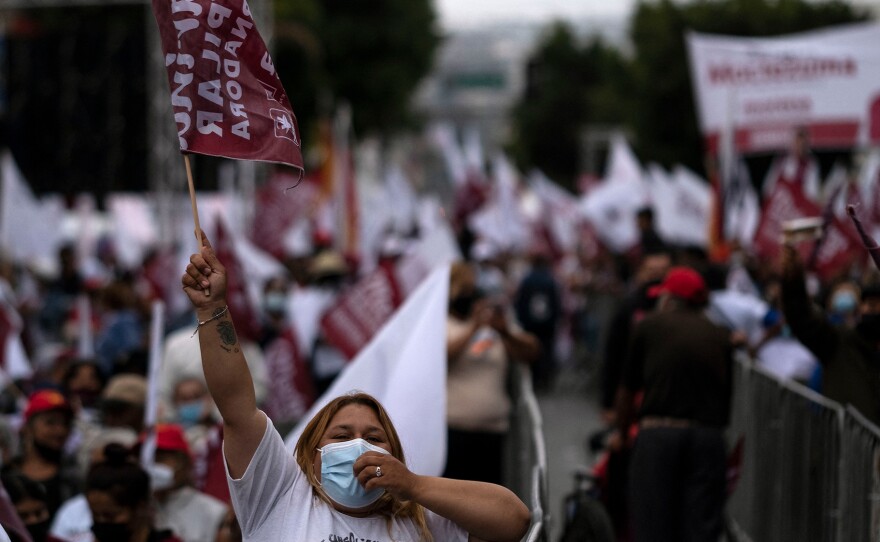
column 226, row 371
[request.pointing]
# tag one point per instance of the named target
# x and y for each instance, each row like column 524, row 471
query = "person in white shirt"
column 192, row 515
column 348, row 477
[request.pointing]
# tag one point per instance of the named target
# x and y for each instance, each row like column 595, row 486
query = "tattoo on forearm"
column 227, row 334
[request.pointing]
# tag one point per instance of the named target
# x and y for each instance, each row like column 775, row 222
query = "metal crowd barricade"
column 860, row 495
column 789, row 488
column 526, row 459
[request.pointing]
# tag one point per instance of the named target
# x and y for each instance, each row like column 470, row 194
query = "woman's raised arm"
column 226, row 371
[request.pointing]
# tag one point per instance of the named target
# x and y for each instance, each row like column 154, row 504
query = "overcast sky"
column 458, row 13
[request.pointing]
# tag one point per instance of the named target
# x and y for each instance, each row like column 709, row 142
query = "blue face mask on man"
column 190, row 413
column 337, row 473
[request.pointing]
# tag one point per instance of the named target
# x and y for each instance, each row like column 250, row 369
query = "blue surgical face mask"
column 843, row 302
column 190, row 413
column 337, row 473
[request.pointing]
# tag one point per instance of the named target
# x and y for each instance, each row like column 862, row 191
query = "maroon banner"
column 247, row 320
column 290, row 384
column 838, row 246
column 361, row 311
column 227, row 98
column 274, row 215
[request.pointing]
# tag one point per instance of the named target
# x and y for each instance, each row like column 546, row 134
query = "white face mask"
column 337, row 473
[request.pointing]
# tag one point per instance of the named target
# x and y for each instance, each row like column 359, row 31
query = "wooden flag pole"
column 195, row 209
column 192, row 199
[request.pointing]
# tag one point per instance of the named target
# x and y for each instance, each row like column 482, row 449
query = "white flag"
column 404, row 367
column 29, row 230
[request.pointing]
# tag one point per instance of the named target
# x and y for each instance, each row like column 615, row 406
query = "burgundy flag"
column 788, row 202
column 290, row 383
column 348, row 325
column 247, row 320
column 227, row 98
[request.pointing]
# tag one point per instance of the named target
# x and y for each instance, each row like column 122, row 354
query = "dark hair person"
column 118, row 493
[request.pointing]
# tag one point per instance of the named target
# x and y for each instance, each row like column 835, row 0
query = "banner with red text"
column 227, row 98
column 826, row 80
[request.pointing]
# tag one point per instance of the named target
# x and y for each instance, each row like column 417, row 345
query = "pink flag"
column 227, row 98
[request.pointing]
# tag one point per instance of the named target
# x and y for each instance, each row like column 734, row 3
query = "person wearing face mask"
column 348, row 477
column 30, row 501
column 118, row 493
column 843, row 304
column 48, row 419
column 850, row 356
column 194, row 411
column 274, row 315
column 192, row 515
column 481, row 345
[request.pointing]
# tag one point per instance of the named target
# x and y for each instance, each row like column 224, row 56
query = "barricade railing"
column 859, row 482
column 526, row 459
column 809, row 467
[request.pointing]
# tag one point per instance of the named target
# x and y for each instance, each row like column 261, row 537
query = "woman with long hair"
column 348, row 479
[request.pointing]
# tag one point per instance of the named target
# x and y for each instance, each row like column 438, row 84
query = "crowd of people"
column 76, row 450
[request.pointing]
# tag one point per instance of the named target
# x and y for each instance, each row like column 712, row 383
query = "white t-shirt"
column 73, row 521
column 191, row 515
column 274, row 501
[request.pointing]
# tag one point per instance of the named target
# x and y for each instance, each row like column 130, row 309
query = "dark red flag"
column 290, row 383
column 787, row 202
column 349, row 325
column 247, row 320
column 227, row 98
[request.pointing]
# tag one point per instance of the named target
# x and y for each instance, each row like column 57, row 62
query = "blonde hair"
column 307, row 448
column 461, row 274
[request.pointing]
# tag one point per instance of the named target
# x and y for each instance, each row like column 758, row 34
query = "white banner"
column 827, row 81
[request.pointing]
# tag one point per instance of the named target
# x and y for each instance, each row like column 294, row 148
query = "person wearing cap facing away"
column 48, row 419
column 348, row 477
column 190, row 514
column 682, row 364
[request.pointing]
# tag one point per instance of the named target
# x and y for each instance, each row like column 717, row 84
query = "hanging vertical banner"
column 827, row 81
column 227, row 98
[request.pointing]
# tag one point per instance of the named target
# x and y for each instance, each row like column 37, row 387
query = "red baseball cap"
column 170, row 438
column 44, row 401
column 682, row 282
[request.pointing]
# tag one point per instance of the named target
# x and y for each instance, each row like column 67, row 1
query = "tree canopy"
column 647, row 93
column 371, row 55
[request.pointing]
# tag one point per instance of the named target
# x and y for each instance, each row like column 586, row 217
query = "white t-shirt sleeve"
column 269, row 475
column 444, row 529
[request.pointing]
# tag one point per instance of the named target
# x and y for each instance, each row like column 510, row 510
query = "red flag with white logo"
column 837, row 247
column 227, row 98
column 291, row 392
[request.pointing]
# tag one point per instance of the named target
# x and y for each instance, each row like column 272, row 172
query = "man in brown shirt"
column 681, row 363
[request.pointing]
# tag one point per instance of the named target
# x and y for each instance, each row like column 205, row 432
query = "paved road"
column 570, row 414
